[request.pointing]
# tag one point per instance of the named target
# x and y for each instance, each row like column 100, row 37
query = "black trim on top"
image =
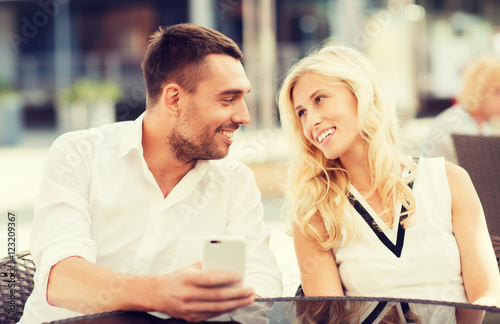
column 405, row 307
column 375, row 313
column 398, row 247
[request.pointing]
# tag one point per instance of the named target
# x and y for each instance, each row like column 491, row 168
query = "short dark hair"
column 177, row 54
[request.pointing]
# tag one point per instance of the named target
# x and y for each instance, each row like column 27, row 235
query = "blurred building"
column 420, row 47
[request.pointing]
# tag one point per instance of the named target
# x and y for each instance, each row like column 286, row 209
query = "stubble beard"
column 195, row 147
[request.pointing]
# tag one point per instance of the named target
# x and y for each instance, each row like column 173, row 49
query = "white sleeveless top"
column 419, row 262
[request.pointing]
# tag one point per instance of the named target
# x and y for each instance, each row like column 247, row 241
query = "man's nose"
column 241, row 115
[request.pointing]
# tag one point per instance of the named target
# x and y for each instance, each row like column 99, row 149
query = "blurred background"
column 73, row 64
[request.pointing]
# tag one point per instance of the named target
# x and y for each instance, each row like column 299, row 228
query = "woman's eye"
column 319, row 99
column 301, row 113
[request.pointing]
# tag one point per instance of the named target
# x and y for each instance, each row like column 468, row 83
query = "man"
column 477, row 103
column 123, row 209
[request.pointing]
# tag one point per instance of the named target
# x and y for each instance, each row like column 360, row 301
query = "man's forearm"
column 188, row 293
column 84, row 287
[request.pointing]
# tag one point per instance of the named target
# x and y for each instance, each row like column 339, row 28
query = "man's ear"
column 170, row 98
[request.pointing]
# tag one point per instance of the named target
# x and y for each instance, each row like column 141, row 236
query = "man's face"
column 210, row 116
column 490, row 106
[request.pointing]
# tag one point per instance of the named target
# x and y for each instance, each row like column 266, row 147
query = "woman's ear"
column 170, row 99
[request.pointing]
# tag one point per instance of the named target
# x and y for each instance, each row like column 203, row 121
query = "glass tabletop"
column 300, row 310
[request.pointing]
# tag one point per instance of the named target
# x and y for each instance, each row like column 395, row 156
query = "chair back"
column 480, row 157
column 16, row 280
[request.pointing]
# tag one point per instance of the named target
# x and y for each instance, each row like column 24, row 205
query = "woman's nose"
column 313, row 119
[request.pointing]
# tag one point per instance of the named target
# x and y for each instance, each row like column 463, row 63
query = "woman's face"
column 328, row 114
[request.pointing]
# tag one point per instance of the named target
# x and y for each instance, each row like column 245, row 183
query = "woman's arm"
column 318, row 270
column 479, row 267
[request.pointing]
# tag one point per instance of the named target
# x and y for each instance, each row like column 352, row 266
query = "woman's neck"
column 359, row 172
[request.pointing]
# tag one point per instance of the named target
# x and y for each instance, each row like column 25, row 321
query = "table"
column 328, row 309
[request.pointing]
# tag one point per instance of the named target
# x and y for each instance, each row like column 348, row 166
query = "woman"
column 368, row 220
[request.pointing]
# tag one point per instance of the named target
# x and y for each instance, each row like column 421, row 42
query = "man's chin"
column 216, row 155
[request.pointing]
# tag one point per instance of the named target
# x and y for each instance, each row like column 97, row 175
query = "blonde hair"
column 477, row 79
column 316, row 187
column 327, row 311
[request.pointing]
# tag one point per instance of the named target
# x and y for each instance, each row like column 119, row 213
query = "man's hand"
column 195, row 295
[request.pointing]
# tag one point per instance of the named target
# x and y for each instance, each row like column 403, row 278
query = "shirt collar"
column 132, row 137
column 132, row 140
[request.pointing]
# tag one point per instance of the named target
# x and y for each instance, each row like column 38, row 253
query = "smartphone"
column 224, row 253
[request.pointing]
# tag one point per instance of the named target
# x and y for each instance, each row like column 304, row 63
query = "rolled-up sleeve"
column 61, row 225
column 246, row 219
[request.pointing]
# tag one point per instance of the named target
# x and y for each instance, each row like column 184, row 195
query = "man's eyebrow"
column 233, row 92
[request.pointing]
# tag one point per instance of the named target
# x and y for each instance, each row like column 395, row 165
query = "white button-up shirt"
column 98, row 200
column 454, row 120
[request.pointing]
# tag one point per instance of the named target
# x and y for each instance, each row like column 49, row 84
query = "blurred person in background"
column 477, row 103
column 123, row 209
column 367, row 219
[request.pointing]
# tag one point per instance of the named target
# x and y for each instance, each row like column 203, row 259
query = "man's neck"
column 479, row 118
column 166, row 170
column 161, row 161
